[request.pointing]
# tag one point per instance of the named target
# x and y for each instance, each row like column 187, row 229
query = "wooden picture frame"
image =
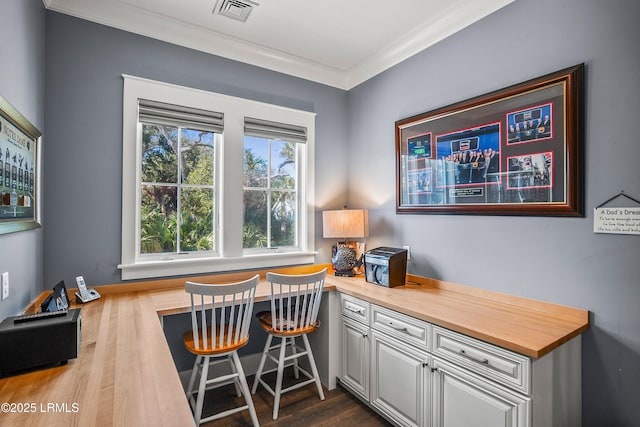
column 20, row 171
column 515, row 151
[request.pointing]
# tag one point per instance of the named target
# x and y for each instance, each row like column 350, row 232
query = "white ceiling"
column 340, row 43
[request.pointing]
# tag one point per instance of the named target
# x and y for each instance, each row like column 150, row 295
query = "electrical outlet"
column 5, row 285
column 408, row 248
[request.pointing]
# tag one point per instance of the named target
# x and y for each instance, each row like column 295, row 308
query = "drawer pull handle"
column 398, row 328
column 484, row 361
column 354, row 309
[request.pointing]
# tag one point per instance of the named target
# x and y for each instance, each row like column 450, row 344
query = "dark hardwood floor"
column 300, row 407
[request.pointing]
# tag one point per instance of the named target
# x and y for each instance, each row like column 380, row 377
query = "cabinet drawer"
column 501, row 365
column 406, row 328
column 354, row 308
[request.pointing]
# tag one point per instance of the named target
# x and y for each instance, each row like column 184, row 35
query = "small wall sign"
column 616, row 220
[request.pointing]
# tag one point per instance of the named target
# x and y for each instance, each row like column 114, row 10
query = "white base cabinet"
column 355, row 357
column 461, row 399
column 418, row 374
column 400, row 380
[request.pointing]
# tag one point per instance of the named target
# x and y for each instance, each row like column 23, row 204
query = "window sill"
column 149, row 269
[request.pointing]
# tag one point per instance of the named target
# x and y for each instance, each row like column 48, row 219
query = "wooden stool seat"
column 267, row 323
column 189, row 343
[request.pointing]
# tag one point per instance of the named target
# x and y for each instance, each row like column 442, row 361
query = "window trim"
column 229, row 183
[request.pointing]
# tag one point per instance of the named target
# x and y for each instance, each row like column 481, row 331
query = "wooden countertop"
column 530, row 327
column 125, row 375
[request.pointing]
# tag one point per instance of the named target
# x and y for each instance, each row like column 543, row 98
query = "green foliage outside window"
column 161, row 216
column 177, row 191
column 269, row 193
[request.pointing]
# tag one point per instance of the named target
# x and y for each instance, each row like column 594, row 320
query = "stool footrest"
column 298, row 385
column 224, row 413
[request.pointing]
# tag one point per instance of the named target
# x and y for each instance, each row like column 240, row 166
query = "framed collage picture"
column 515, row 151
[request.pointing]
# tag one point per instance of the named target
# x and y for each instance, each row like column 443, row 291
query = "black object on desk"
column 57, row 300
column 46, row 341
column 386, row 266
column 39, row 316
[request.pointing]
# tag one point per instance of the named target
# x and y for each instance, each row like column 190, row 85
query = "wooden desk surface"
column 530, row 327
column 125, row 374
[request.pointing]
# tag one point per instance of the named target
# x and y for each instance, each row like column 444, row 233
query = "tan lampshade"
column 345, row 223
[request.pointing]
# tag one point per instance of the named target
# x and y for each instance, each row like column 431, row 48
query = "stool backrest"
column 298, row 302
column 221, row 313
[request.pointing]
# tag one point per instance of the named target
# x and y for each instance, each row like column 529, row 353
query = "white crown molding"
column 176, row 32
column 163, row 28
column 437, row 29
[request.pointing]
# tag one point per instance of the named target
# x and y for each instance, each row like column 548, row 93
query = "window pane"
column 255, row 162
column 159, row 153
column 158, row 219
column 283, row 164
column 254, row 233
column 196, row 219
column 283, row 218
column 197, row 156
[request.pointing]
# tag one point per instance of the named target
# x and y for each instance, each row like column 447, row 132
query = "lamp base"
column 344, row 273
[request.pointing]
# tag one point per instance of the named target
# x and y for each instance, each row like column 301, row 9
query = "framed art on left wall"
column 19, row 171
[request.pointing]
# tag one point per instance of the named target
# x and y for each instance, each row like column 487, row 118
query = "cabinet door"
column 355, row 356
column 400, row 380
column 462, row 399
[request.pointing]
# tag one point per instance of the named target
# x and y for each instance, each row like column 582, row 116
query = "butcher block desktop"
column 530, row 327
column 125, row 374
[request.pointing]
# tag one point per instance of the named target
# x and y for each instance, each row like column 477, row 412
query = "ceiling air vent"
column 235, row 9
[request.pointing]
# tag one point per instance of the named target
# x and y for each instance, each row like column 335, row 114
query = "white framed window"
column 177, row 180
column 271, row 185
column 192, row 202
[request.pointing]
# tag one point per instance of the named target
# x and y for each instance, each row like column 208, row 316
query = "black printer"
column 386, row 266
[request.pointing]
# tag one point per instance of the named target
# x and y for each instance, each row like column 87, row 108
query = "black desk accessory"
column 39, row 316
column 57, row 300
column 386, row 266
column 39, row 342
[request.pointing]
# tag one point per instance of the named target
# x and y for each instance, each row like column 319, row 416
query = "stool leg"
column 312, row 362
column 192, row 380
column 276, row 401
column 294, row 350
column 261, row 365
column 201, row 389
column 245, row 388
column 235, row 380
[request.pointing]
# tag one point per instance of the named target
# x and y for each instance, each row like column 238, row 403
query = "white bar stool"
column 293, row 313
column 219, row 327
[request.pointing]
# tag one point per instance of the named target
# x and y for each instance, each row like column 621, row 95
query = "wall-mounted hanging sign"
column 617, row 220
column 516, row 151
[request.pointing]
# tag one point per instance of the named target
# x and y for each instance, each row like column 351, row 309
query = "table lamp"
column 343, row 224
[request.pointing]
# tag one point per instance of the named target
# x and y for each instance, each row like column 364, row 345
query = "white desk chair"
column 294, row 313
column 218, row 331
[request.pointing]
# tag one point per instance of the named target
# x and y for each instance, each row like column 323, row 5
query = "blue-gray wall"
column 85, row 62
column 559, row 260
column 22, row 71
